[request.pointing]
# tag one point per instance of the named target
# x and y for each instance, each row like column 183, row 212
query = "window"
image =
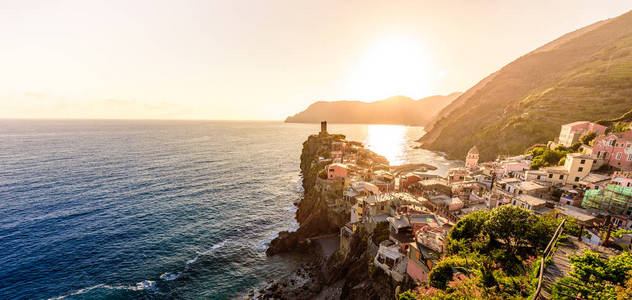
column 561, row 177
column 629, row 157
column 619, row 156
column 576, row 179
column 580, row 169
column 538, row 177
column 583, row 161
column 550, row 175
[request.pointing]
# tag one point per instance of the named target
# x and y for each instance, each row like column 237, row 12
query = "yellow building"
column 578, row 166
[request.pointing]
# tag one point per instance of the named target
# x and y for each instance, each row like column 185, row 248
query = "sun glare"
column 391, row 66
column 387, row 140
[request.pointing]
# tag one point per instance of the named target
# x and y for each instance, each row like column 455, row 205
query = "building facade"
column 570, row 133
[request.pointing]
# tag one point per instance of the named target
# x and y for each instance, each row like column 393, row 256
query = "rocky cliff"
column 348, row 273
column 313, row 215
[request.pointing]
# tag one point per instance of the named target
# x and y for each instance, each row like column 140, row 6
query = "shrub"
column 587, row 137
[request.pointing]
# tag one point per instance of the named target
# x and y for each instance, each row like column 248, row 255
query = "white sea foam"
column 145, row 285
column 291, row 208
column 193, row 260
column 103, row 286
column 263, row 246
column 168, row 276
column 210, row 251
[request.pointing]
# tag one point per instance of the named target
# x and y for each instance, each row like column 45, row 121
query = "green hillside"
column 584, row 75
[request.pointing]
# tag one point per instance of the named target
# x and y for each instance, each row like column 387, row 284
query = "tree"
column 620, row 127
column 587, row 137
column 596, row 278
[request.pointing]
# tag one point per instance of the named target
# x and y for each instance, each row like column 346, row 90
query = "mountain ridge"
column 582, row 75
column 396, row 110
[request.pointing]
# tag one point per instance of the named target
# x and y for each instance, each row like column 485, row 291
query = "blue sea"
column 90, row 208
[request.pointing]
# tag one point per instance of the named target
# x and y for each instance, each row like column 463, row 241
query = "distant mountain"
column 583, row 75
column 398, row 110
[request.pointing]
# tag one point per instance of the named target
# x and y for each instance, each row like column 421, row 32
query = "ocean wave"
column 210, row 251
column 143, row 285
column 291, row 208
column 263, row 246
column 168, row 276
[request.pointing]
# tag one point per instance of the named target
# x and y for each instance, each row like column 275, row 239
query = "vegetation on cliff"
column 597, row 278
column 491, row 255
column 397, row 110
column 584, row 75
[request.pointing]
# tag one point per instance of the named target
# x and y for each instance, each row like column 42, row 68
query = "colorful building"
column 578, row 166
column 570, row 133
column 337, row 150
column 456, row 175
column 337, row 170
column 622, row 178
column 471, row 160
column 614, row 150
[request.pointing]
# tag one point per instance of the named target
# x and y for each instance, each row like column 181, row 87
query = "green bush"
column 381, row 232
column 595, row 277
column 545, row 157
column 587, row 137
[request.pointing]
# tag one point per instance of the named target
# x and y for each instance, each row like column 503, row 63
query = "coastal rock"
column 313, row 215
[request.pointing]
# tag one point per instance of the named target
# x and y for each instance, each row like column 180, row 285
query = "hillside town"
column 592, row 185
column 399, row 218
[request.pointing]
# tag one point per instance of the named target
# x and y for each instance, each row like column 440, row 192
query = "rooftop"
column 556, row 170
column 579, row 155
column 339, row 165
column 576, row 123
column 429, row 219
column 398, row 221
column 581, row 215
column 530, row 186
column 594, row 178
column 509, row 180
column 533, row 201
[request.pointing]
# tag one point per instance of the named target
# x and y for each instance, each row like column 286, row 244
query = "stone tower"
column 323, row 128
column 471, row 160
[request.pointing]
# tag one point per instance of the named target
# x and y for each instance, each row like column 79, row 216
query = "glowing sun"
column 390, row 66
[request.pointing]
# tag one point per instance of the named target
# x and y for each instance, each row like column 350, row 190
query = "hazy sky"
column 259, row 59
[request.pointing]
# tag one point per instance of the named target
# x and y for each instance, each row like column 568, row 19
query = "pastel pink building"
column 337, row 149
column 571, row 132
column 515, row 166
column 622, row 178
column 614, row 150
column 456, row 175
column 337, row 170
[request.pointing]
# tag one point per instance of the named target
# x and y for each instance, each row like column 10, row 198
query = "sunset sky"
column 259, row 60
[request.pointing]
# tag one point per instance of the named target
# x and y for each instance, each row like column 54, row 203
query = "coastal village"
column 408, row 210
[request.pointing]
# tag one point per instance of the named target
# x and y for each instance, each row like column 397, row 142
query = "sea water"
column 156, row 209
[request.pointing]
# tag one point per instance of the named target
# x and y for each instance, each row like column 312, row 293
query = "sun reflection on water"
column 387, row 140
